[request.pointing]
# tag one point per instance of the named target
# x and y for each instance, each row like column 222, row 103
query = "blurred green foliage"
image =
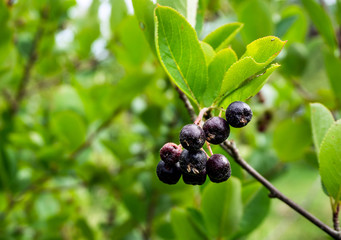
column 85, row 106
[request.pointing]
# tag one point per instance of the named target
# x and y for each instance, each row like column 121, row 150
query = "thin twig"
column 336, row 218
column 187, row 103
column 231, row 149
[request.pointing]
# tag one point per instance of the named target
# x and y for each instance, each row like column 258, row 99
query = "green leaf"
column 256, row 207
column 216, row 70
column 298, row 22
column 118, row 13
column 259, row 54
column 202, row 4
column 330, row 160
column 180, row 53
column 208, row 51
column 250, row 87
column 333, row 69
column 222, row 36
column 69, row 127
column 187, row 8
column 67, row 98
column 144, row 12
column 291, row 139
column 126, row 50
column 222, row 208
column 183, row 227
column 321, row 120
column 255, row 25
column 321, row 21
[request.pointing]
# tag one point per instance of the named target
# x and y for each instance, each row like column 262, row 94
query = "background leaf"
column 222, row 208
column 321, row 21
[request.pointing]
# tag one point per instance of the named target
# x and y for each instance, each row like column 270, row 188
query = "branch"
column 187, row 103
column 32, row 58
column 232, row 150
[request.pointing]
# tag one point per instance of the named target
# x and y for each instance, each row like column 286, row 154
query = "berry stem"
column 201, row 115
column 209, row 148
column 233, row 151
column 205, row 152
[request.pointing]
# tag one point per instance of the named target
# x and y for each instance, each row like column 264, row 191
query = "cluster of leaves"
column 86, row 104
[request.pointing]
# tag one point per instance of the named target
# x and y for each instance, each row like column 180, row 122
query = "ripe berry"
column 198, row 179
column 216, row 130
column 238, row 114
column 169, row 174
column 192, row 137
column 218, row 168
column 192, row 162
column 170, row 153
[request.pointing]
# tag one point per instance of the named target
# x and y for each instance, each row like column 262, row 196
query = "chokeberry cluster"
column 190, row 160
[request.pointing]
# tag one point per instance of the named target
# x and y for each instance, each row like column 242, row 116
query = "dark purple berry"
column 170, row 153
column 198, row 179
column 218, row 168
column 169, row 174
column 192, row 137
column 193, row 162
column 238, row 114
column 216, row 130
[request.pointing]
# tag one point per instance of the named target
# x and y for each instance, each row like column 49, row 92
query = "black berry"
column 192, row 162
column 218, row 168
column 192, row 137
column 170, row 153
column 238, row 114
column 169, row 174
column 198, row 179
column 216, row 130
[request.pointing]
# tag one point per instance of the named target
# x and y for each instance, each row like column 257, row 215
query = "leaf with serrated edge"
column 250, row 87
column 259, row 54
column 180, row 53
column 321, row 120
column 216, row 70
column 222, row 36
column 330, row 160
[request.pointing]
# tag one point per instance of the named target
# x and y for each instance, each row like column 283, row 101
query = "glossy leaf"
column 216, row 71
column 321, row 120
column 222, row 36
column 250, row 87
column 258, row 56
column 222, row 208
column 188, row 8
column 321, row 21
column 330, row 160
column 180, row 53
column 118, row 13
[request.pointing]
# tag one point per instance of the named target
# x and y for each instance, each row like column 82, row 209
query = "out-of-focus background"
column 85, row 107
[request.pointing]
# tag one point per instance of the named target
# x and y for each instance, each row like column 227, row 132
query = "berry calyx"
column 192, row 162
column 238, row 114
column 218, row 168
column 170, row 153
column 192, row 137
column 216, row 130
column 198, row 179
column 169, row 174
